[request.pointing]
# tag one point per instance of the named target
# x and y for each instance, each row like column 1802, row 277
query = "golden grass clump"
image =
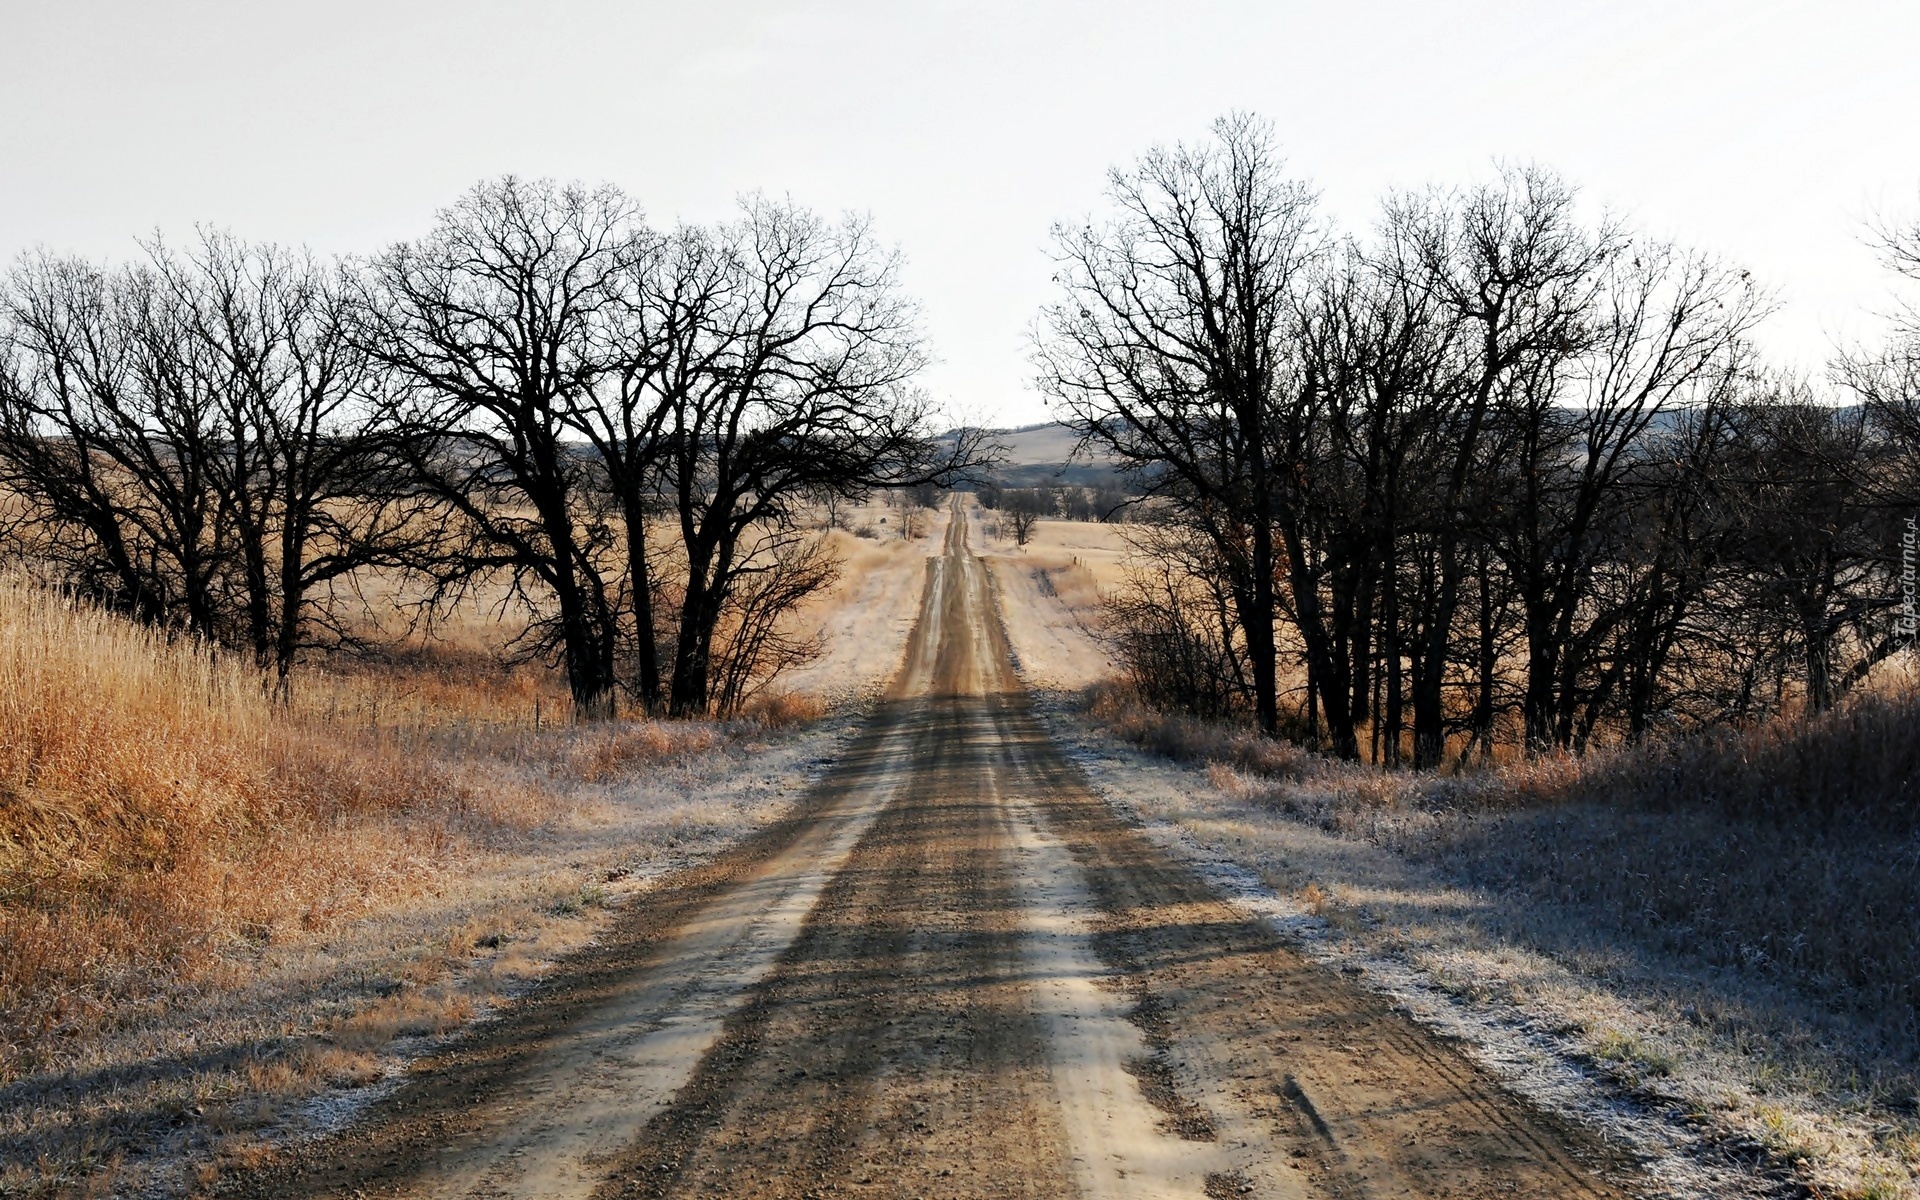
column 130, row 771
column 783, row 710
column 1117, row 709
column 157, row 811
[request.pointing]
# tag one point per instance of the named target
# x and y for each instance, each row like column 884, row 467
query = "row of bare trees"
column 619, row 423
column 1021, row 507
column 1497, row 466
column 197, row 441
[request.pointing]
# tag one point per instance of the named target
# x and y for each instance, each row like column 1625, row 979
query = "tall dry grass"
column 162, row 819
column 155, row 810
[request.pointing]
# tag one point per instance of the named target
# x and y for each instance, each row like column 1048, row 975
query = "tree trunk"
column 585, row 644
column 693, row 651
column 1392, row 715
column 1429, row 673
column 709, row 568
column 1819, row 660
column 1261, row 651
column 1329, row 672
column 646, row 644
column 260, row 623
column 293, row 586
column 1543, row 665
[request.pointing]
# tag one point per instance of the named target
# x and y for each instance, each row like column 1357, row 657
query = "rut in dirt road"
column 955, row 973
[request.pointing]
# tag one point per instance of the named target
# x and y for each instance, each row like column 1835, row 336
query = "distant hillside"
column 1050, row 443
column 1043, row 456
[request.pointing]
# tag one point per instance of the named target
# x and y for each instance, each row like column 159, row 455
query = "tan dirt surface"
column 954, row 972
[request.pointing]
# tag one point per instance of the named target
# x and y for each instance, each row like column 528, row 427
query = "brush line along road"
column 954, row 972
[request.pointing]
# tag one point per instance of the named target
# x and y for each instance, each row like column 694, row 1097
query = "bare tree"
column 1886, row 378
column 663, row 334
column 1172, row 625
column 68, row 402
column 806, row 391
column 1023, row 508
column 1170, row 348
column 1501, row 468
column 120, row 435
column 1666, row 329
column 1817, row 550
column 1514, row 267
column 1667, row 550
column 497, row 324
column 314, row 432
column 754, row 644
column 910, row 513
column 1376, row 360
column 192, row 440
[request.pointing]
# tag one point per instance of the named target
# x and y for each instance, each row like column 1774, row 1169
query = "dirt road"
column 954, row 973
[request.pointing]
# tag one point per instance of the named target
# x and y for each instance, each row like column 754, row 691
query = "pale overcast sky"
column 1766, row 131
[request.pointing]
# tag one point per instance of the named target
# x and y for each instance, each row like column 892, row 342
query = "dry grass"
column 783, row 710
column 214, row 909
column 1189, row 739
column 157, row 811
column 161, row 811
column 1098, row 548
